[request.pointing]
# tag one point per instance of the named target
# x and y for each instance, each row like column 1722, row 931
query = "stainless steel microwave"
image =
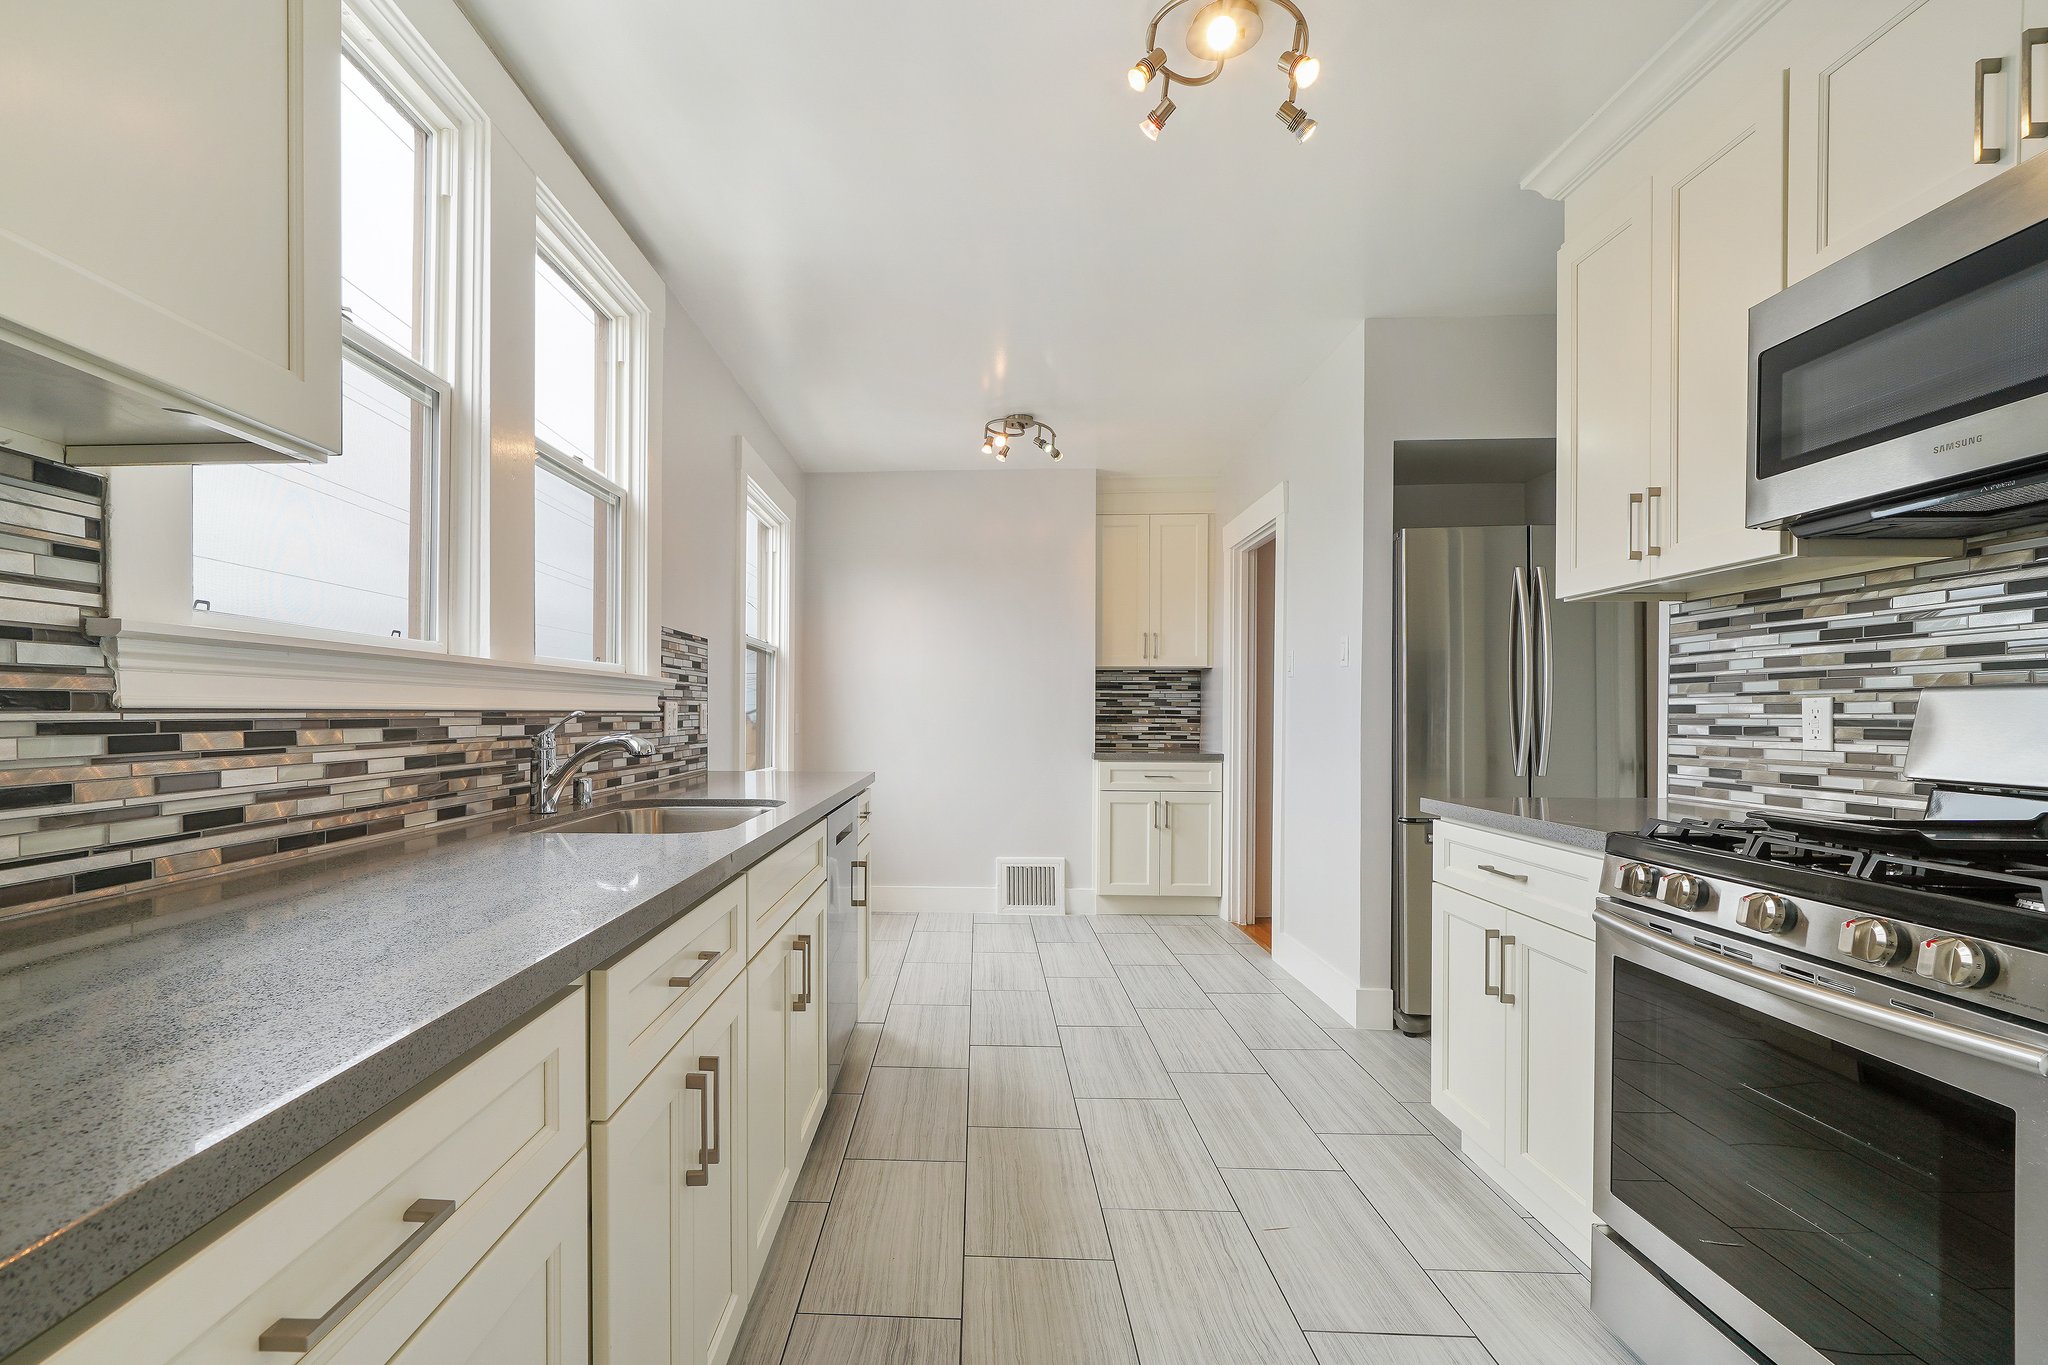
column 1902, row 392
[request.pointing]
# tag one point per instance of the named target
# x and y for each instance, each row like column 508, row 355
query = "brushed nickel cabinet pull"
column 860, row 899
column 1510, row 876
column 710, row 1068
column 1987, row 66
column 1635, row 500
column 1507, row 943
column 303, row 1334
column 709, row 959
column 1486, row 962
column 1651, row 506
column 700, row 1174
column 2029, row 126
column 803, row 999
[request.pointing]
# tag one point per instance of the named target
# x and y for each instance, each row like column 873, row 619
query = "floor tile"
column 951, row 921
column 1023, row 1312
column 1269, row 1021
column 1122, row 924
column 1399, row 1063
column 1030, row 1192
column 1192, row 939
column 1334, row 1094
column 1246, row 1121
column 924, row 1035
column 860, row 1055
column 766, row 1329
column 1061, row 929
column 1161, row 987
column 932, row 983
column 1226, row 974
column 1196, row 1040
column 1434, row 1123
column 1004, row 938
column 1339, row 1264
column 875, row 997
column 1199, row 1292
column 892, row 1241
column 821, row 1164
column 1121, row 949
column 1261, row 961
column 1075, row 959
column 886, row 955
column 1098, row 1000
column 1019, row 1087
column 890, row 924
column 819, row 1340
column 1533, row 1319
column 1309, row 1003
column 1013, row 1019
column 1147, row 1155
column 1446, row 1216
column 1115, row 1064
column 1333, row 1349
column 929, row 946
column 1008, row 972
column 912, row 1114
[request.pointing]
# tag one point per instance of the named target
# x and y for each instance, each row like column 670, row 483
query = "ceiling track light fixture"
column 997, row 435
column 1220, row 30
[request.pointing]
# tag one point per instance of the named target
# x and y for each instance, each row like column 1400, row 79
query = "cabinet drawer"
column 490, row 1138
column 781, row 882
column 637, row 1009
column 1162, row 777
column 1554, row 884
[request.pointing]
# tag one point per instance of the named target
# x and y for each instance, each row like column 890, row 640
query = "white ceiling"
column 898, row 221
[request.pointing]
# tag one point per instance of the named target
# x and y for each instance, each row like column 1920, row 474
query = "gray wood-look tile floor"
column 1059, row 1143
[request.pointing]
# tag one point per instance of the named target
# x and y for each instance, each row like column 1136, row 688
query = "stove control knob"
column 1683, row 891
column 1768, row 914
column 1638, row 879
column 1955, row 962
column 1871, row 940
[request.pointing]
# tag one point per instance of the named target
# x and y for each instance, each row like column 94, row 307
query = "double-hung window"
column 352, row 546
column 583, row 455
column 765, row 609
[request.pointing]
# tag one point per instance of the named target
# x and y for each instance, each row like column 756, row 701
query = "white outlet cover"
column 1817, row 722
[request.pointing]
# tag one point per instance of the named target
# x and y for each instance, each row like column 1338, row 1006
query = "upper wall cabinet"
column 1152, row 590
column 169, row 227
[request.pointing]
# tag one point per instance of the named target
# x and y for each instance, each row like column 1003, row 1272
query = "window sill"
column 160, row 666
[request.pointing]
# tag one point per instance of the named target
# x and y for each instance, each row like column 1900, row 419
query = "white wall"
column 704, row 415
column 949, row 630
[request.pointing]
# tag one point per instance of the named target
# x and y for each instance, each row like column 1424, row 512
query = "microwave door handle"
column 1951, row 1036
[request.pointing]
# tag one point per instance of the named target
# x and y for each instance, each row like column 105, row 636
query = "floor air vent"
column 1031, row 886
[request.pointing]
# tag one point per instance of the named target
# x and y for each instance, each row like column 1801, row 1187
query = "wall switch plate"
column 1343, row 651
column 671, row 717
column 1817, row 723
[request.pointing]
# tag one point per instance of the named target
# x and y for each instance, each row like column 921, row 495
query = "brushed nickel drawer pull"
column 1986, row 156
column 803, row 1000
column 860, row 900
column 1486, row 962
column 303, row 1334
column 709, row 959
column 1509, row 876
column 1507, row 943
column 2030, row 127
column 1635, row 500
column 700, row 1174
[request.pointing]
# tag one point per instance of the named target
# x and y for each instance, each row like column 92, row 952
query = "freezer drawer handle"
column 1510, row 876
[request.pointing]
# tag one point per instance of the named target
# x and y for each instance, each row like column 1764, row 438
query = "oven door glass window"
column 1869, row 1210
column 1967, row 338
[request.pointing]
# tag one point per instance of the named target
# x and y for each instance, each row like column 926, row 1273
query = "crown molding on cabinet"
column 1676, row 67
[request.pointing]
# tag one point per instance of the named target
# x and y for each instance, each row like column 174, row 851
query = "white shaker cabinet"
column 1885, row 116
column 1158, row 829
column 170, row 221
column 669, row 1212
column 1152, row 590
column 786, row 1084
column 1468, row 1059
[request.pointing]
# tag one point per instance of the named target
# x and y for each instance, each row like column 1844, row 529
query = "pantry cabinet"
column 1152, row 590
column 170, row 231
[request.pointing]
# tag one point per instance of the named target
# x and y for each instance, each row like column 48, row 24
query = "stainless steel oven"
column 1902, row 392
column 1836, row 1167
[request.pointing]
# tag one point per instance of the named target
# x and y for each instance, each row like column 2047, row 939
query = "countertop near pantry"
column 186, row 1049
column 1155, row 756
column 1575, row 821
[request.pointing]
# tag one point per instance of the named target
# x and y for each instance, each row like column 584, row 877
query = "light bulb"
column 1296, row 120
column 1002, row 441
column 988, row 447
column 1221, row 33
column 1044, row 443
column 1002, row 454
column 1154, row 122
column 1056, row 454
column 1147, row 67
column 1301, row 68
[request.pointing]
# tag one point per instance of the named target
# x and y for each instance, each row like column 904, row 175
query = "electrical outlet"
column 1817, row 723
column 671, row 717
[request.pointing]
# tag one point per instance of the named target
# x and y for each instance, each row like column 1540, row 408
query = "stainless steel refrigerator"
column 1500, row 690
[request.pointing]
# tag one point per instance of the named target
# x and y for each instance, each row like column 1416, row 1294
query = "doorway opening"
column 1256, row 593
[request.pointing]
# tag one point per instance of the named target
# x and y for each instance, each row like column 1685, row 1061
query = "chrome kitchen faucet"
column 551, row 775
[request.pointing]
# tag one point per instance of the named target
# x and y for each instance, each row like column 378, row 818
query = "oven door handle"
column 1954, row 1037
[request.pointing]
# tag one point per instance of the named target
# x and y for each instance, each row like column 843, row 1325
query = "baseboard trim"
column 1154, row 905
column 1330, row 985
column 965, row 900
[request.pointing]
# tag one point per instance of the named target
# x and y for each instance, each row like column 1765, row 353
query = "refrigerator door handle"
column 1519, row 698
column 1544, row 685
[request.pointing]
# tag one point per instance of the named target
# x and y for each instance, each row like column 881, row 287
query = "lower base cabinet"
column 786, row 1083
column 669, row 1214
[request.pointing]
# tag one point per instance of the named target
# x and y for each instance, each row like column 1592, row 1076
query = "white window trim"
column 761, row 489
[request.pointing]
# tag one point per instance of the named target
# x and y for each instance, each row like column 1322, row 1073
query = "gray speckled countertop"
column 1155, row 756
column 1576, row 821
column 167, row 1056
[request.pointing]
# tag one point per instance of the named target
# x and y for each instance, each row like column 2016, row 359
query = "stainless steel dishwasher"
column 842, row 934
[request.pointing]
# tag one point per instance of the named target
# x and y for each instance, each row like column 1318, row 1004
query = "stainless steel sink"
column 663, row 817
